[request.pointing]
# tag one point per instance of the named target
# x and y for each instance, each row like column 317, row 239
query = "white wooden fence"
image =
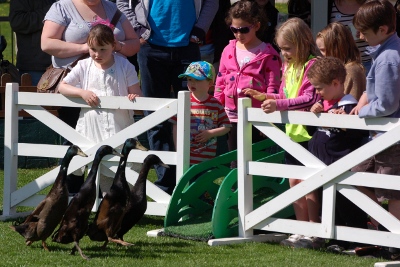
column 332, row 178
column 32, row 102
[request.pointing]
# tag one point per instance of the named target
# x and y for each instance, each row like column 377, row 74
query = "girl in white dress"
column 104, row 73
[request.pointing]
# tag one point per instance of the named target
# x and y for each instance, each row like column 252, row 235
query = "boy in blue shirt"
column 376, row 22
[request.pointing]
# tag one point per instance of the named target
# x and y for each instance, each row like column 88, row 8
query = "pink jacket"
column 262, row 74
column 307, row 95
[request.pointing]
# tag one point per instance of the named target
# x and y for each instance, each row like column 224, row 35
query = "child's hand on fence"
column 356, row 110
column 317, row 108
column 269, row 106
column 132, row 96
column 90, row 98
column 339, row 111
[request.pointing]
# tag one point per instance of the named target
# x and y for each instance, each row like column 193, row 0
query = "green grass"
column 281, row 7
column 5, row 29
column 160, row 251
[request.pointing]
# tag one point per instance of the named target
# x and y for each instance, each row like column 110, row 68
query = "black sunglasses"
column 241, row 29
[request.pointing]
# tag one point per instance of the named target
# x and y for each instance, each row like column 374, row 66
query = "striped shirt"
column 206, row 115
column 347, row 20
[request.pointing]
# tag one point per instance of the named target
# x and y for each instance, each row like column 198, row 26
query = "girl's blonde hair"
column 297, row 32
column 339, row 43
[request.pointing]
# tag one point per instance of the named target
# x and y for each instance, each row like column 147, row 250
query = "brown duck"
column 74, row 223
column 40, row 224
column 138, row 202
column 114, row 205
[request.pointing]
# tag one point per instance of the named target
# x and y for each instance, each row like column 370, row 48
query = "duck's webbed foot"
column 121, row 242
column 45, row 245
column 103, row 247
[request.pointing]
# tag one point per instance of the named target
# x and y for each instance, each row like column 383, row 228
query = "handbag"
column 52, row 77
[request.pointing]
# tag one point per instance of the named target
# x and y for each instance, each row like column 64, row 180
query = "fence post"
column 244, row 155
column 183, row 134
column 10, row 147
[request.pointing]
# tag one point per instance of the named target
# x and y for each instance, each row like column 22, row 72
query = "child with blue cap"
column 208, row 118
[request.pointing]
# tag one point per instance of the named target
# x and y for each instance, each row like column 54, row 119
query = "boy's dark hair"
column 101, row 34
column 326, row 69
column 248, row 11
column 374, row 14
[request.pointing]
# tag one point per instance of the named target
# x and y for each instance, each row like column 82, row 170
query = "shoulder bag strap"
column 116, row 17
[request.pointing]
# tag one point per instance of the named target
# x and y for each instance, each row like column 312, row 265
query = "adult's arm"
column 387, row 94
column 207, row 14
column 123, row 6
column 52, row 44
column 130, row 45
column 25, row 21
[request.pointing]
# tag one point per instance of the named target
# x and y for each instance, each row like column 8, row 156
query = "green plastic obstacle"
column 204, row 203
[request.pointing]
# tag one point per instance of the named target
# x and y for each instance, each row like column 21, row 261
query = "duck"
column 40, row 224
column 114, row 205
column 75, row 221
column 137, row 201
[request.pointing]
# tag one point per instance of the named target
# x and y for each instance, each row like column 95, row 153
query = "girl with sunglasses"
column 246, row 62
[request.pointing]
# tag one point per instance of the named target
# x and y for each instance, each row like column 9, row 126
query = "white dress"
column 100, row 124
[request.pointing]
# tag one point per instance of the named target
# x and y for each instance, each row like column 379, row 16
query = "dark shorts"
column 386, row 162
column 289, row 159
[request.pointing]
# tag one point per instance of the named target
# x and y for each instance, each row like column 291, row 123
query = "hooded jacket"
column 262, row 74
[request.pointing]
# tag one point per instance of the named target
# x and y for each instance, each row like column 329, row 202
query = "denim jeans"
column 159, row 69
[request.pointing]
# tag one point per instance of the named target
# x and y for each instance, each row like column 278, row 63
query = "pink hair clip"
column 106, row 22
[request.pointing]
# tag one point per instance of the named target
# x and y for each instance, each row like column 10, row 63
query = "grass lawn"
column 5, row 29
column 160, row 251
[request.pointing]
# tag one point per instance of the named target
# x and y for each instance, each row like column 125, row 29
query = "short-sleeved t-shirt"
column 206, row 115
column 347, row 20
column 77, row 29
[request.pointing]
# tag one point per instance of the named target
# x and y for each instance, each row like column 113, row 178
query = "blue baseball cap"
column 199, row 70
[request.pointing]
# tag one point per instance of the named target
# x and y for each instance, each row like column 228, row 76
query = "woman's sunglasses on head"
column 241, row 29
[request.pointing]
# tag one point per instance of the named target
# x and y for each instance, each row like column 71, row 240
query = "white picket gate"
column 32, row 102
column 332, row 178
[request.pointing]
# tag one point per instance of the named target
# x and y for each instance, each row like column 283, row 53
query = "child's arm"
column 134, row 91
column 206, row 135
column 220, row 82
column 307, row 95
column 69, row 90
column 273, row 74
column 385, row 94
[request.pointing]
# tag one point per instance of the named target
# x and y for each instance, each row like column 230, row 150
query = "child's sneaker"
column 310, row 242
column 289, row 242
